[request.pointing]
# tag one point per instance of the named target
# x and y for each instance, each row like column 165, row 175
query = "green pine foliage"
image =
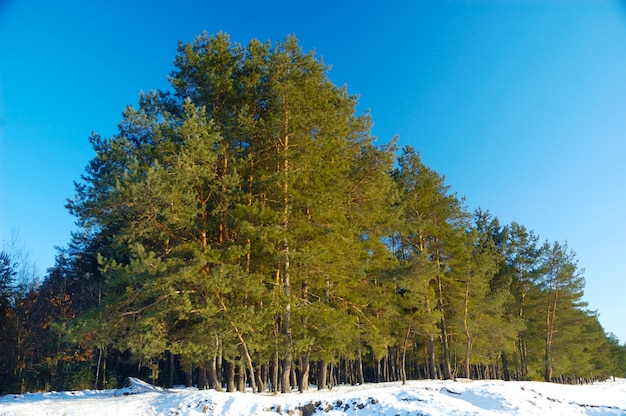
column 245, row 229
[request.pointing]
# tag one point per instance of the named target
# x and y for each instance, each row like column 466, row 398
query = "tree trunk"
column 446, row 368
column 241, row 379
column 171, row 364
column 259, row 380
column 246, row 356
column 286, row 362
column 522, row 342
column 360, row 375
column 97, row 379
column 468, row 335
column 430, row 359
column 432, row 364
column 404, row 347
column 550, row 328
column 214, row 382
column 230, row 376
column 285, row 375
column 202, row 383
column 275, row 371
column 322, row 375
column 303, row 377
column 523, row 357
column 505, row 367
column 189, row 376
column 548, row 363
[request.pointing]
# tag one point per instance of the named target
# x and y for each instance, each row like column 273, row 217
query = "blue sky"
column 520, row 104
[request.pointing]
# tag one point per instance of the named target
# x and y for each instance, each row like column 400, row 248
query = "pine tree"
column 494, row 238
column 256, row 173
column 7, row 320
column 520, row 274
column 174, row 197
column 434, row 227
column 562, row 285
column 480, row 317
column 7, row 279
column 616, row 356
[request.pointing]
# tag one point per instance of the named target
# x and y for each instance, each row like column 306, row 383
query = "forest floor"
column 431, row 398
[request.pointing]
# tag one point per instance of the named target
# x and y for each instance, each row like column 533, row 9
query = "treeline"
column 245, row 229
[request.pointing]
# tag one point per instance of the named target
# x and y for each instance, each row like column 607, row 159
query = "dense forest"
column 246, row 230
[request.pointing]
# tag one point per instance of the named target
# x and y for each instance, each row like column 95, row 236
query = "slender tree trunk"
column 246, row 355
column 505, row 367
column 360, row 375
column 171, row 365
column 275, row 371
column 432, row 364
column 322, row 376
column 404, row 347
column 522, row 342
column 430, row 343
column 385, row 361
column 189, row 376
column 241, row 379
column 260, row 388
column 287, row 360
column 97, row 380
column 468, row 336
column 202, row 384
column 285, row 375
column 214, row 382
column 523, row 356
column 293, row 376
column 550, row 318
column 230, row 376
column 303, row 378
column 446, row 368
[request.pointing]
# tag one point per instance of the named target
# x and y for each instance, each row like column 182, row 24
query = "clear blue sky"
column 520, row 104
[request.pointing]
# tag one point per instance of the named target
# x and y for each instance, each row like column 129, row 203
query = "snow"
column 432, row 398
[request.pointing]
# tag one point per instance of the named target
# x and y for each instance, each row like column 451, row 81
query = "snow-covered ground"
column 391, row 399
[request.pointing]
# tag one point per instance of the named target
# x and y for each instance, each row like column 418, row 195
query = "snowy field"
column 391, row 399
